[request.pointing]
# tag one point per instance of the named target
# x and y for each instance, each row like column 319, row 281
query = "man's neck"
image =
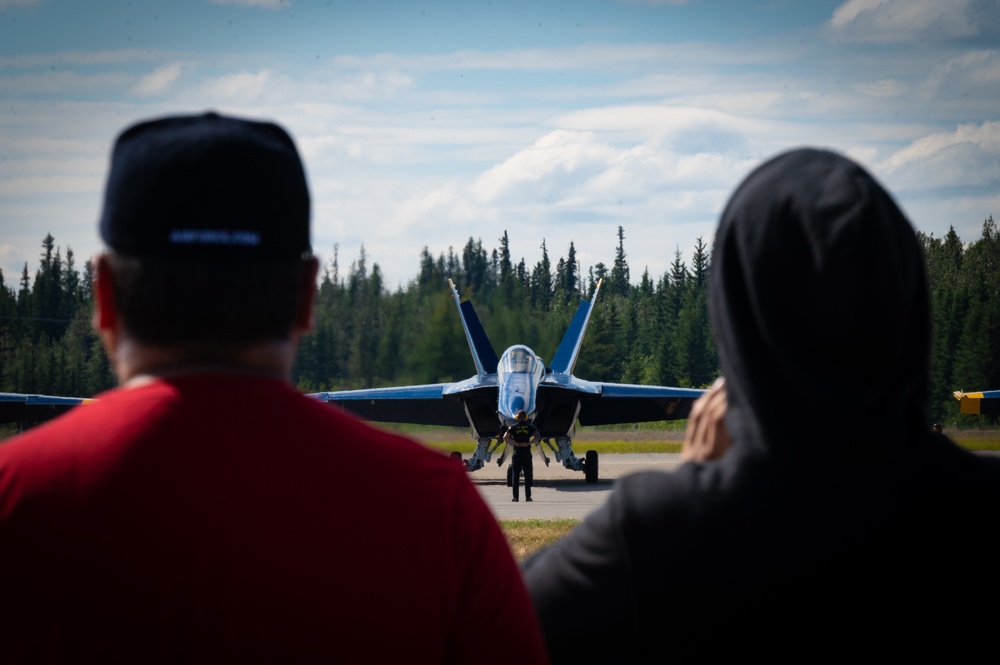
column 136, row 363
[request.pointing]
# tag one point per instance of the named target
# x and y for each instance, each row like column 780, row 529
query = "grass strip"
column 979, row 443
column 974, row 443
column 579, row 447
column 527, row 536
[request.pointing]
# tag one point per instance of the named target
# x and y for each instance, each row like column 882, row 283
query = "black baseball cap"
column 207, row 186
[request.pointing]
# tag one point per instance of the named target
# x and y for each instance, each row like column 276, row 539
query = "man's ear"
column 105, row 311
column 307, row 294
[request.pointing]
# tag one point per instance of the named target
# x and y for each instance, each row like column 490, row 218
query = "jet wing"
column 564, row 399
column 18, row 408
column 431, row 404
column 984, row 403
column 630, row 403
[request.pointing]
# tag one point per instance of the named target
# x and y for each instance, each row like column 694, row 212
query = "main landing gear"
column 563, row 449
column 564, row 454
column 590, row 466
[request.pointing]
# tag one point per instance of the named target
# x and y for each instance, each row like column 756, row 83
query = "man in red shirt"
column 201, row 511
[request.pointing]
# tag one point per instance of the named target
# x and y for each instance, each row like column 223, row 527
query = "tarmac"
column 558, row 492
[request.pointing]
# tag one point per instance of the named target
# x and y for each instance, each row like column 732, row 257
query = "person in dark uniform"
column 522, row 436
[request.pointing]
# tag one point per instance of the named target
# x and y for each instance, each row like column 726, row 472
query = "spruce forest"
column 644, row 329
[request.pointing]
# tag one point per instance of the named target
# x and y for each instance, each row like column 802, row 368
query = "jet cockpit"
column 518, row 375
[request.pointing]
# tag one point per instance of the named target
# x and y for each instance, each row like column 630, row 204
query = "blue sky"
column 425, row 123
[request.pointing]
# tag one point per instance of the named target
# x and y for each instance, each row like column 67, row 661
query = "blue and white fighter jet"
column 551, row 396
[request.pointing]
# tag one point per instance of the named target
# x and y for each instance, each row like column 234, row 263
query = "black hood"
column 820, row 311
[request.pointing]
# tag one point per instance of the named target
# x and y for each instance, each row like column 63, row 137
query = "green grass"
column 526, row 536
column 979, row 441
column 610, row 442
column 603, row 447
column 665, row 437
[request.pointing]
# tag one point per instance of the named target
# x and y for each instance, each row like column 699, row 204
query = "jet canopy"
column 518, row 375
column 522, row 360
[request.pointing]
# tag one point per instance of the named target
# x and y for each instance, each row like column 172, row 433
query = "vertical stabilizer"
column 479, row 344
column 569, row 348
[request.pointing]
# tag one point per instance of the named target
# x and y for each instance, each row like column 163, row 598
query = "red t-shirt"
column 230, row 517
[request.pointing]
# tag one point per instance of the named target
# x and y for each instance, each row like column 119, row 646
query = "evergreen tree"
column 442, row 353
column 598, row 359
column 571, row 275
column 25, row 309
column 595, row 275
column 949, row 306
column 699, row 263
column 977, row 357
column 541, row 283
column 8, row 307
column 618, row 283
column 72, row 293
column 693, row 346
column 521, row 278
column 506, row 271
column 388, row 358
column 475, row 269
column 453, row 266
column 674, row 286
column 431, row 277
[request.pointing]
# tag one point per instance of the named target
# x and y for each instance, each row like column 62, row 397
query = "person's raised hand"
column 707, row 437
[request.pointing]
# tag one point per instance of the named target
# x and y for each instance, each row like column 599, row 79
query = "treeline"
column 653, row 332
column 965, row 310
column 651, row 329
column 46, row 342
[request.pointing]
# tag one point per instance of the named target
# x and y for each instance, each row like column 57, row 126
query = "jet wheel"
column 590, row 466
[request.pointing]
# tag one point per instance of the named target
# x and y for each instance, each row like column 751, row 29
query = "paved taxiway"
column 559, row 492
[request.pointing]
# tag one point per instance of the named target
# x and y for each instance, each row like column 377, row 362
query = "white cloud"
column 976, row 72
column 986, row 136
column 371, row 85
column 668, row 122
column 313, row 90
column 968, row 156
column 557, row 161
column 849, row 12
column 578, row 171
column 893, row 21
column 242, row 87
column 159, row 80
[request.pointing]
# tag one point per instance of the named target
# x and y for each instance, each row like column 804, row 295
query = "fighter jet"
column 519, row 380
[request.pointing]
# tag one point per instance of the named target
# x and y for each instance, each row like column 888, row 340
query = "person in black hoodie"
column 836, row 524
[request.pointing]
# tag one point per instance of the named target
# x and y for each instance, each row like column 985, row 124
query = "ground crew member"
column 522, row 436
